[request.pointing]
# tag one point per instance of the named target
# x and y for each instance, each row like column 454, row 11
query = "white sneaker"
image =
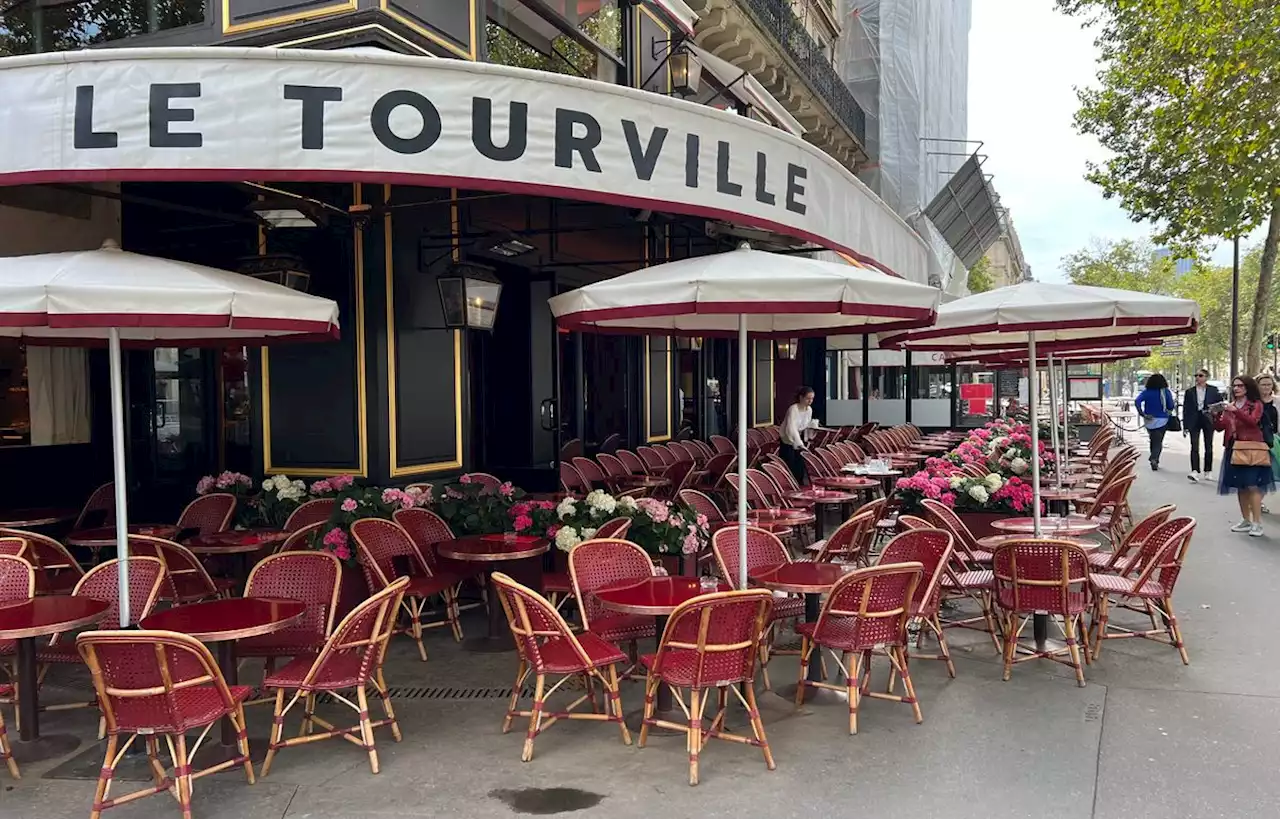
column 1193, row 477
column 1242, row 526
column 1208, row 476
column 1255, row 530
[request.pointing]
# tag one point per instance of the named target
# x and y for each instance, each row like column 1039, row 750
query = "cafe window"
column 44, row 395
column 581, row 39
column 930, row 382
column 37, row 26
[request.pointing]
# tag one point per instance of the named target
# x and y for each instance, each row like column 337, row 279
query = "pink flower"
column 553, row 530
column 321, row 487
column 349, row 505
column 341, row 482
column 948, row 498
column 691, row 544
column 465, row 479
column 343, row 552
column 522, row 522
column 660, row 571
column 335, row 538
column 702, row 521
column 518, row 509
column 505, row 489
column 205, row 485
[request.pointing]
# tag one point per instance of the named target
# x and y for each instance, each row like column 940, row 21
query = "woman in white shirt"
column 798, row 419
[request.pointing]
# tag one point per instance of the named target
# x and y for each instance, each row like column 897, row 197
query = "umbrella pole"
column 742, row 451
column 1033, row 384
column 1053, row 413
column 117, row 458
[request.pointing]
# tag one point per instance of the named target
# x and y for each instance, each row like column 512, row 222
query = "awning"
column 748, row 89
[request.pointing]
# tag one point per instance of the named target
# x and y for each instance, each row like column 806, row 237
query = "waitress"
column 795, row 425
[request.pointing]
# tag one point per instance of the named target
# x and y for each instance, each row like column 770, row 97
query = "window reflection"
column 582, row 39
column 36, row 26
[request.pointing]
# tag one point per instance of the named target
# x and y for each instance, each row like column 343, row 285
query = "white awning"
column 748, row 89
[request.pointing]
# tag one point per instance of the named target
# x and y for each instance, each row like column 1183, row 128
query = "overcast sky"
column 1025, row 60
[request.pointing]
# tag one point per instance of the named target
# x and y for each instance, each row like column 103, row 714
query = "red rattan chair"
column 102, row 499
column 558, row 586
column 14, row 547
column 851, row 542
column 156, row 684
column 867, row 610
column 653, row 460
column 764, row 549
column 1109, row 505
column 17, row 582
column 601, row 562
column 185, row 578
column 146, row 580
column 300, row 541
column 591, row 472
column 1042, row 576
column 312, row 577
column 710, row 644
column 6, row 753
column 311, row 512
column 966, row 543
column 208, row 514
column 677, row 476
column 428, row 530
column 57, row 572
column 613, row 468
column 548, row 646
column 703, row 504
column 572, row 448
column 781, row 476
column 908, row 522
column 1157, row 567
column 572, row 482
column 632, row 462
column 351, row 659
column 722, row 444
column 488, row 483
column 932, row 549
column 379, row 543
column 1121, row 557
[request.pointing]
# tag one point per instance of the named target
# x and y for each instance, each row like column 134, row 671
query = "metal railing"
column 782, row 24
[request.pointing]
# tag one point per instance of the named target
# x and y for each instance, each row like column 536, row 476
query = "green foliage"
column 1126, row 264
column 979, row 280
column 32, row 26
column 1186, row 106
column 567, row 55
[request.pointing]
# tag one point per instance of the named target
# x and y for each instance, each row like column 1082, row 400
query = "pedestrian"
column 795, row 426
column 1156, row 404
column 1246, row 460
column 1270, row 421
column 1197, row 422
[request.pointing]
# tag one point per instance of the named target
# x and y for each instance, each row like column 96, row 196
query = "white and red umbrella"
column 88, row 297
column 747, row 293
column 1053, row 318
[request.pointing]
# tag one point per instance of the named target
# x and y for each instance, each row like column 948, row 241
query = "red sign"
column 976, row 397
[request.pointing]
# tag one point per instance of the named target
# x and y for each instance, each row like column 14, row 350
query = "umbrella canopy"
column 1018, row 357
column 1055, row 316
column 84, row 295
column 779, row 296
column 109, row 294
column 750, row 293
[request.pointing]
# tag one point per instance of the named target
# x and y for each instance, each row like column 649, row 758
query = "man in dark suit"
column 1198, row 423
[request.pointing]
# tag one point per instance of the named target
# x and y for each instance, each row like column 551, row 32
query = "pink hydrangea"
column 522, row 522
column 701, row 520
column 343, row 552
column 341, row 482
column 465, row 479
column 948, row 499
column 205, row 485
column 505, row 489
column 518, row 510
column 349, row 505
column 321, row 487
column 691, row 544
column 335, row 538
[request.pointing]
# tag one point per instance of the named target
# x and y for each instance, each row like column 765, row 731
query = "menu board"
column 1007, row 382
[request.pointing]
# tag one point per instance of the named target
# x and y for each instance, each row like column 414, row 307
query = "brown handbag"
column 1250, row 453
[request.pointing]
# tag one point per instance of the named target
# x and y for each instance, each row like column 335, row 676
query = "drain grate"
column 457, row 693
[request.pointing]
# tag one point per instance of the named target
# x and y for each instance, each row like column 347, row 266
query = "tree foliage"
column 1189, row 91
column 979, row 279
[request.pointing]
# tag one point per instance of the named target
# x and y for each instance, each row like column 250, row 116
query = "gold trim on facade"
column 465, row 53
column 361, row 385
column 347, row 32
column 755, row 384
column 279, row 20
column 398, row 471
column 639, row 62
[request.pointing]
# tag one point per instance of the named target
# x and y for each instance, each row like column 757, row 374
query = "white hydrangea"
column 993, row 482
column 979, row 493
column 1018, row 465
column 627, row 504
column 602, row 502
column 957, row 481
column 567, row 538
column 1011, row 453
column 588, row 533
column 566, row 508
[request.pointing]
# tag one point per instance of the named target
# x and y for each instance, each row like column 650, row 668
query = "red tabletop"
column 1049, row 493
column 235, row 618
column 821, row 496
column 990, row 542
column 805, row 577
column 779, row 515
column 35, row 516
column 493, row 548
column 106, row 535
column 655, row 596
column 20, row 619
column 846, row 482
column 1048, row 525
column 878, row 476
column 236, row 541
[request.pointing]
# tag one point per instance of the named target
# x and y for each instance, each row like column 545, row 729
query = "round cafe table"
column 626, row 482
column 848, row 483
column 1050, row 525
column 220, row 623
column 1061, row 499
column 823, row 499
column 24, row 621
column 516, row 556
column 102, row 537
column 236, row 544
column 812, row 580
column 990, row 542
column 35, row 517
column 657, row 597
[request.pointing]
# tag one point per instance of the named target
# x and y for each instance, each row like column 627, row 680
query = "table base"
column 497, row 644
column 47, row 746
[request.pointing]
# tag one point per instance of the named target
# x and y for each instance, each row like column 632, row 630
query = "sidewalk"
column 1147, row 736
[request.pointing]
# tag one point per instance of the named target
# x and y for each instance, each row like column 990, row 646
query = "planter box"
column 676, row 565
column 354, row 591
column 979, row 523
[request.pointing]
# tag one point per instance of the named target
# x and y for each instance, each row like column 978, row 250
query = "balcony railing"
column 777, row 18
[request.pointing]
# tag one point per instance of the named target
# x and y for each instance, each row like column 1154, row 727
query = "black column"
column 813, row 372
column 866, row 377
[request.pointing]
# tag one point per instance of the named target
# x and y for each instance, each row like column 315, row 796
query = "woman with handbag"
column 1158, row 409
column 1246, row 467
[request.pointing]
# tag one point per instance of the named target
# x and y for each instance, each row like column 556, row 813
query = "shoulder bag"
column 1175, row 423
column 1250, row 453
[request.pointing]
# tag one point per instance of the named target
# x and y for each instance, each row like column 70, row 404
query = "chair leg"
column 277, row 732
column 1175, row 631
column 615, row 702
column 308, row 711
column 1010, row 643
column 366, row 728
column 1073, row 646
column 853, row 684
column 6, row 753
column 697, row 698
column 242, row 741
column 182, row 771
column 415, row 625
column 806, row 647
column 651, row 684
column 384, row 693
column 535, row 717
column 522, row 672
column 935, row 623
column 757, row 727
column 900, row 652
column 1100, row 625
column 153, row 757
column 104, row 776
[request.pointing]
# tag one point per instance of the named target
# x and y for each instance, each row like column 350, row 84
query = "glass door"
column 178, row 419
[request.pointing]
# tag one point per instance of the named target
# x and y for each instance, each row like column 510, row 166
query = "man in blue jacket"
column 1198, row 423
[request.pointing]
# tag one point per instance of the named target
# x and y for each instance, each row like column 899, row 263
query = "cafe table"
column 24, row 621
column 812, row 580
column 823, row 499
column 848, row 483
column 236, row 544
column 101, row 537
column 35, row 517
column 1050, row 525
column 1059, row 500
column 514, row 555
column 625, row 482
column 657, row 597
column 219, row 623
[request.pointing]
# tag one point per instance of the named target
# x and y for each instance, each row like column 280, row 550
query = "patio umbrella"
column 1053, row 317
column 83, row 298
column 746, row 293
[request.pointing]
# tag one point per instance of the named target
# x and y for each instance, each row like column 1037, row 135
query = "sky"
column 1025, row 61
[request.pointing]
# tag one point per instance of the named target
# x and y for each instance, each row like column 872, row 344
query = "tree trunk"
column 1262, row 300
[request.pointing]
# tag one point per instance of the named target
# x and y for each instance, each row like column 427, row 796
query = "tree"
column 1124, row 264
column 1187, row 106
column 979, row 280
